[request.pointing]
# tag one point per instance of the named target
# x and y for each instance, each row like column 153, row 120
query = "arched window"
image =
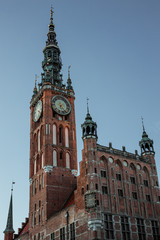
column 54, row 134
column 66, row 137
column 38, row 141
column 67, row 160
column 54, row 158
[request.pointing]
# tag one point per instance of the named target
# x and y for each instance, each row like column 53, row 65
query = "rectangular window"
column 141, row 229
column 62, row 233
column 52, row 236
column 118, row 177
column 104, row 190
column 133, row 180
column 155, row 230
column 108, row 226
column 146, row 183
column 125, row 228
column 95, row 170
column 120, row 192
column 72, row 231
column 103, row 173
column 148, row 198
column 96, row 186
column 158, row 198
column 134, row 195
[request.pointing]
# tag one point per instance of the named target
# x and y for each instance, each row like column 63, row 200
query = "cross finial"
column 87, row 106
column 142, row 124
column 12, row 186
column 69, row 67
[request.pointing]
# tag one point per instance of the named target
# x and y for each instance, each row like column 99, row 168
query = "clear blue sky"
column 113, row 48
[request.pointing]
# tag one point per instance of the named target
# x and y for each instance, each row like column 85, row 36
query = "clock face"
column 37, row 111
column 61, row 105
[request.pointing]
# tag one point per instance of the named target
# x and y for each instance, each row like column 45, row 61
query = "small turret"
column 146, row 144
column 89, row 128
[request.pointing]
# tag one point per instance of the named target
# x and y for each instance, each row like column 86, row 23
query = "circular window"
column 138, row 167
column 125, row 163
column 111, row 160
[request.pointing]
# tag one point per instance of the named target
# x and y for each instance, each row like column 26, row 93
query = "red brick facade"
column 115, row 196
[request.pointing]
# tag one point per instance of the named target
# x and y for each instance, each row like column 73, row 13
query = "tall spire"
column 9, row 226
column 51, row 34
column 69, row 82
column 52, row 63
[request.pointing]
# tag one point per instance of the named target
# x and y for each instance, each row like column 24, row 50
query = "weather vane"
column 52, row 14
column 69, row 67
column 12, row 186
column 143, row 124
column 87, row 105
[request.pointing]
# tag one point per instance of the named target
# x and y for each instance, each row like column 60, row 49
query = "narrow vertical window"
column 60, row 135
column 32, row 220
column 39, row 182
column 66, row 137
column 49, row 130
column 46, row 128
column 42, row 160
column 42, row 180
column 38, row 141
column 54, row 158
column 42, row 214
column 35, row 166
column 61, row 155
column 32, row 188
column 54, row 134
column 67, row 160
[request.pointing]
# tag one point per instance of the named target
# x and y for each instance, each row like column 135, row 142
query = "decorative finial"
column 51, row 15
column 143, row 124
column 12, row 186
column 69, row 67
column 87, row 106
column 36, row 78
